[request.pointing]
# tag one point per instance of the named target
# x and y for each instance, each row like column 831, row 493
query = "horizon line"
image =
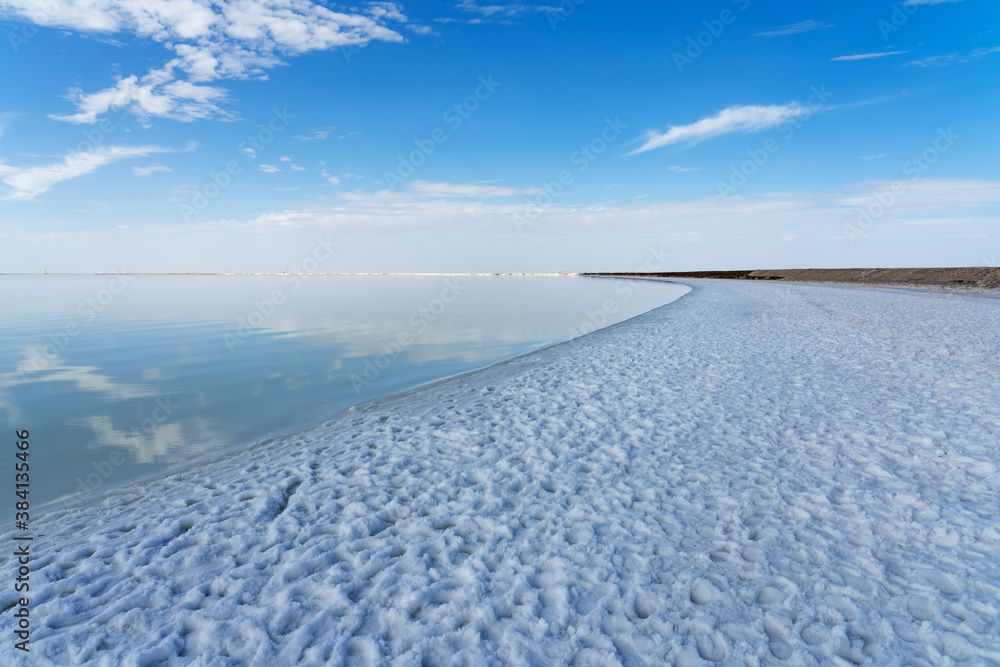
column 292, row 273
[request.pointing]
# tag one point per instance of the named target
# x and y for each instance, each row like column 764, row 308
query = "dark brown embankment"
column 973, row 276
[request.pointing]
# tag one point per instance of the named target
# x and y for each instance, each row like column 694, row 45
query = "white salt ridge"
column 754, row 474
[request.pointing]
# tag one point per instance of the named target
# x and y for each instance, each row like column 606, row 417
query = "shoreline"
column 949, row 278
column 220, row 455
column 741, row 473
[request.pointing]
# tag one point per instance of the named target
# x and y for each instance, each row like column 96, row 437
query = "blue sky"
column 461, row 136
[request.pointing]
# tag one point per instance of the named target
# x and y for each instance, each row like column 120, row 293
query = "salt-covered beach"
column 757, row 473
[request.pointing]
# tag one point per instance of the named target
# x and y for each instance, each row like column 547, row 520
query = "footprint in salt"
column 703, row 592
column 920, row 608
column 646, row 604
column 769, row 595
column 711, row 647
column 944, row 583
column 776, row 638
column 815, row 634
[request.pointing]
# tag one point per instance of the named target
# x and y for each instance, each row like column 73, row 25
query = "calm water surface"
column 117, row 378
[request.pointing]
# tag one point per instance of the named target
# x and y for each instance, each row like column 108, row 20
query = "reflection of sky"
column 163, row 339
column 152, row 442
column 85, row 378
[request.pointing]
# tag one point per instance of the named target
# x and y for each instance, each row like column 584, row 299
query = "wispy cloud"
column 446, row 190
column 225, row 39
column 315, row 135
column 972, row 56
column 153, row 168
column 29, row 182
column 911, row 3
column 499, row 11
column 869, row 56
column 268, row 168
column 682, row 170
column 332, row 180
column 750, row 118
column 402, row 232
column 155, row 94
column 793, row 28
column 291, row 164
column 386, row 10
column 874, row 157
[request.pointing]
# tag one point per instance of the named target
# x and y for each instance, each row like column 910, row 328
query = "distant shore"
column 973, row 276
column 984, row 277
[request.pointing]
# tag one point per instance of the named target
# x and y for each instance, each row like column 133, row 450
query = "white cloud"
column 156, row 94
column 146, row 171
column 874, row 157
column 317, row 135
column 291, row 164
column 268, row 168
column 386, row 10
column 448, row 190
column 752, row 118
column 332, row 180
column 972, row 56
column 793, row 28
column 29, row 182
column 911, row 3
column 924, row 196
column 869, row 56
column 225, row 39
column 386, row 231
column 681, row 170
column 500, row 12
